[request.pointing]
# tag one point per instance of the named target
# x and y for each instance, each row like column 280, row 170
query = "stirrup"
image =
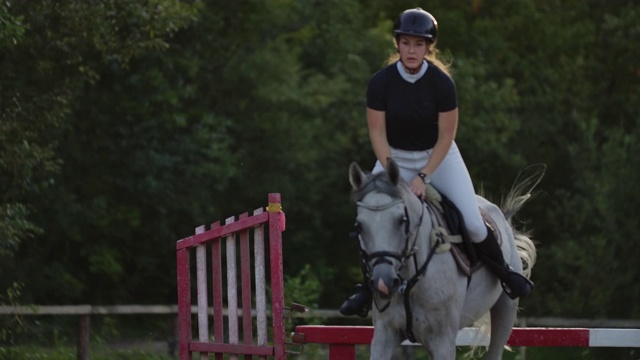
column 525, row 285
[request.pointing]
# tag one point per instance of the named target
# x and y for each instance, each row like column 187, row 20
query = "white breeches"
column 451, row 178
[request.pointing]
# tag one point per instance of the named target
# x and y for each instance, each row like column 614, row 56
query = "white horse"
column 425, row 296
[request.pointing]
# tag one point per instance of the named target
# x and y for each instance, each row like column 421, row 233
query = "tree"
column 51, row 54
column 149, row 120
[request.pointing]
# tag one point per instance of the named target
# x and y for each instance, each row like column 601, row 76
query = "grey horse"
column 418, row 287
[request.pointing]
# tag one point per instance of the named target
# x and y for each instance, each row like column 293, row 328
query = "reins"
column 407, row 286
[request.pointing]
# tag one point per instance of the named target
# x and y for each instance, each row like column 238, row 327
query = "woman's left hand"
column 423, row 190
column 418, row 187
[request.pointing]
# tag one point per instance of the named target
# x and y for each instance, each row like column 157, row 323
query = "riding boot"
column 360, row 302
column 514, row 284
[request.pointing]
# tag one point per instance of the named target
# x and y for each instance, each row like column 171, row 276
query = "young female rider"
column 412, row 115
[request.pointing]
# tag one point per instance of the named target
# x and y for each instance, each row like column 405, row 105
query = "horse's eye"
column 356, row 230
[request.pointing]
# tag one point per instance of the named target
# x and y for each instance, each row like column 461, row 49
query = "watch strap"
column 426, row 178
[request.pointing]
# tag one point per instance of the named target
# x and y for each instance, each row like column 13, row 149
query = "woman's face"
column 412, row 50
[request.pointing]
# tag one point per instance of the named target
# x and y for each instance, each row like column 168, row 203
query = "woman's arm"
column 376, row 122
column 447, row 127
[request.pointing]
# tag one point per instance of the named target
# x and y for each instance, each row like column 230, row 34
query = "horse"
column 419, row 291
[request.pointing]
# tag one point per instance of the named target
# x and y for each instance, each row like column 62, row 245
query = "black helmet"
column 416, row 22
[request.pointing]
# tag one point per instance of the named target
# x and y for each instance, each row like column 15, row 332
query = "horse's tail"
column 521, row 191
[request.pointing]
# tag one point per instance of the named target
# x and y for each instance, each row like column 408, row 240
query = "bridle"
column 409, row 252
column 380, row 257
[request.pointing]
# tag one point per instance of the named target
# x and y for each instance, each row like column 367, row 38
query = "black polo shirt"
column 411, row 109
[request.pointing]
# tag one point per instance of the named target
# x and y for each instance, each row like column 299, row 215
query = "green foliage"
column 124, row 125
column 304, row 289
column 11, row 26
column 11, row 325
column 74, row 43
column 14, row 226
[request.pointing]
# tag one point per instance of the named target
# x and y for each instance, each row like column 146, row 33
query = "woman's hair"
column 433, row 56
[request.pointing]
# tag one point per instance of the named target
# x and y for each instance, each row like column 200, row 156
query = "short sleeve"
column 376, row 91
column 447, row 97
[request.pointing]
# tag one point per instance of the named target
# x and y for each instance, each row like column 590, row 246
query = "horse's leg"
column 503, row 316
column 442, row 346
column 440, row 338
column 384, row 342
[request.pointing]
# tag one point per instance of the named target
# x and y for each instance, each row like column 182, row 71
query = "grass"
column 98, row 352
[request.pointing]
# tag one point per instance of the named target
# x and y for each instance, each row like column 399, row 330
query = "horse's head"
column 387, row 220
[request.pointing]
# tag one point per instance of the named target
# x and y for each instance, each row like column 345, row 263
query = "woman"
column 412, row 116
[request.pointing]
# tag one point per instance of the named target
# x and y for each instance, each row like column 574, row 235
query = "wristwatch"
column 426, row 178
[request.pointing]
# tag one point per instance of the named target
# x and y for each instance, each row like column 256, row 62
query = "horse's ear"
column 393, row 171
column 356, row 176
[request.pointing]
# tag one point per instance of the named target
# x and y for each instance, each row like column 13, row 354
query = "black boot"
column 358, row 303
column 514, row 284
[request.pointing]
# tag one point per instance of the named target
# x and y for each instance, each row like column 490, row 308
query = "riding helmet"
column 416, row 22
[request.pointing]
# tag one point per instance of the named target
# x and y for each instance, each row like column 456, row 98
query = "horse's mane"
column 378, row 182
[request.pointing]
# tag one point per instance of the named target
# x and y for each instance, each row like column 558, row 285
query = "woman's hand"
column 418, row 187
column 423, row 190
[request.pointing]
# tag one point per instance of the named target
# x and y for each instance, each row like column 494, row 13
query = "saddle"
column 449, row 221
